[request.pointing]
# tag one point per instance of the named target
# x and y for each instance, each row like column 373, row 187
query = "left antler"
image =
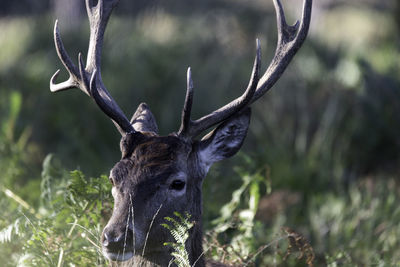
column 290, row 39
column 88, row 79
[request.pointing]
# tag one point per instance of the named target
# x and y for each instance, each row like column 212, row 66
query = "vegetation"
column 316, row 183
column 67, row 225
column 179, row 228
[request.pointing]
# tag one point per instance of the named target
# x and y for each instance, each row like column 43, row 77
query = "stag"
column 159, row 175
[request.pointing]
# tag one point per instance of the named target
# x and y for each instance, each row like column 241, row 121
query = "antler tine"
column 56, row 87
column 290, row 39
column 68, row 64
column 198, row 126
column 98, row 14
column 187, row 108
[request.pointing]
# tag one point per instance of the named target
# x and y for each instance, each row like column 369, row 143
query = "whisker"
column 148, row 232
column 126, row 234
column 201, row 255
column 133, row 225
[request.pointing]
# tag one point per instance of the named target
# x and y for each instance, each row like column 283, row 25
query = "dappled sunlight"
column 15, row 35
column 353, row 28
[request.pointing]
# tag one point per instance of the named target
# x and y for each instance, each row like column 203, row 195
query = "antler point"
column 52, row 80
column 56, row 25
column 189, row 79
column 258, row 46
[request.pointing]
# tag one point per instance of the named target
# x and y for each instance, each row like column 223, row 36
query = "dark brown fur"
column 143, row 186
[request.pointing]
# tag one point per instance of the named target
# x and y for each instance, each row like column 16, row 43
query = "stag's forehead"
column 156, row 148
column 155, row 158
column 160, row 156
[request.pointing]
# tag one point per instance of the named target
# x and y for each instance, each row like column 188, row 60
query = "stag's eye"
column 177, row 185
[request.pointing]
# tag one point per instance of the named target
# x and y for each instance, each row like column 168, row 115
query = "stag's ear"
column 225, row 140
column 143, row 120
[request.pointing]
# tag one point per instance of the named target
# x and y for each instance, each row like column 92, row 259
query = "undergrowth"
column 355, row 228
column 67, row 226
column 239, row 239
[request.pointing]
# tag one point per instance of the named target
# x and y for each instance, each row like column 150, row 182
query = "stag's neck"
column 194, row 245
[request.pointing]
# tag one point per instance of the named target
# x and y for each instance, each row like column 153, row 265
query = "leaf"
column 7, row 232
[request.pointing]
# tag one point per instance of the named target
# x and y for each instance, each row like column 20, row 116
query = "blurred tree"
column 20, row 7
column 70, row 12
column 396, row 13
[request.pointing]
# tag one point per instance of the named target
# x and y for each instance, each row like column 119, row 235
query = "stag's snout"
column 118, row 245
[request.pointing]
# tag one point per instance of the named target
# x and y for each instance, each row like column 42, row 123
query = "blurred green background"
column 324, row 143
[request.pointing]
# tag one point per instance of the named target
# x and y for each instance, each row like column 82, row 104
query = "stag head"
column 160, row 175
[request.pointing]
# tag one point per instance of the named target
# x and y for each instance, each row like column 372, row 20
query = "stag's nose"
column 114, row 241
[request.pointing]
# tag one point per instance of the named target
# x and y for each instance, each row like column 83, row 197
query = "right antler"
column 290, row 39
column 88, row 79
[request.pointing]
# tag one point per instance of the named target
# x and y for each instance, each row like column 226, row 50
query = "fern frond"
column 179, row 229
column 7, row 233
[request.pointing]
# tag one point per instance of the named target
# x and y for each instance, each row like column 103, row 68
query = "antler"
column 290, row 39
column 88, row 79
